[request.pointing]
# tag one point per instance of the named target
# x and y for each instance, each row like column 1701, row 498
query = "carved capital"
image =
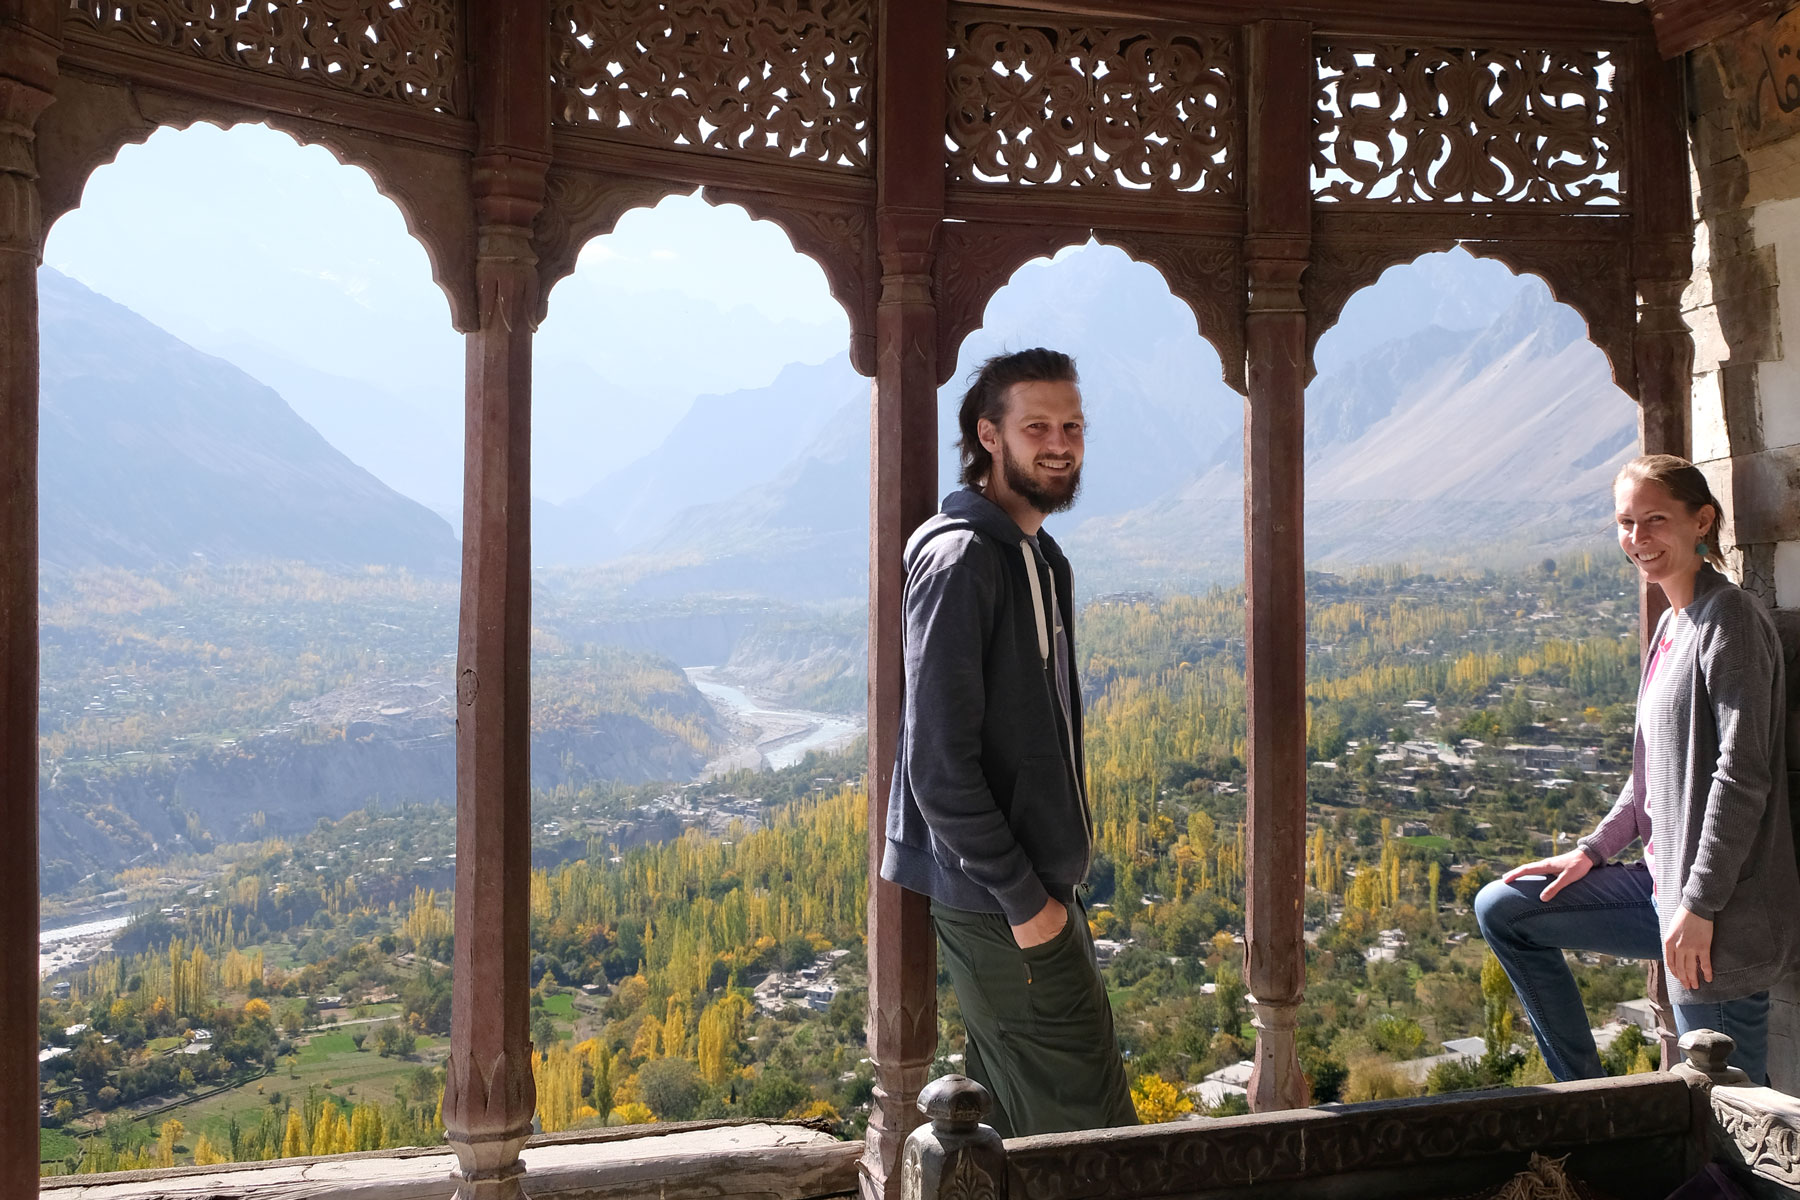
column 509, row 188
column 1275, row 285
column 22, row 100
column 906, row 236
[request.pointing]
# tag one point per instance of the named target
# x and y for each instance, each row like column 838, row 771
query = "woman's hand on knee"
column 1688, row 949
column 1563, row 870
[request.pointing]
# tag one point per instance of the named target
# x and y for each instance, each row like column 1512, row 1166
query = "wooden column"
column 489, row 1095
column 1662, row 264
column 909, row 148
column 1662, row 345
column 28, row 52
column 1280, row 223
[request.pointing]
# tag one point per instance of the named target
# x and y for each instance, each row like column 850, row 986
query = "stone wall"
column 1746, row 410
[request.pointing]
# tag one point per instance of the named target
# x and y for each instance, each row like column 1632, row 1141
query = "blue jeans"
column 1610, row 910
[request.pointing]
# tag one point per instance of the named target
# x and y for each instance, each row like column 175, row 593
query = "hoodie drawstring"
column 1037, row 602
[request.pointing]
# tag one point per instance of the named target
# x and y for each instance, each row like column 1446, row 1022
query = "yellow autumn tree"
column 366, row 1128
column 293, row 1142
column 331, row 1133
column 166, row 1142
column 721, row 1029
column 1157, row 1100
column 558, row 1075
column 674, row 1036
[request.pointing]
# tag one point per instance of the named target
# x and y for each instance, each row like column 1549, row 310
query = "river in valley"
column 769, row 738
column 70, row 944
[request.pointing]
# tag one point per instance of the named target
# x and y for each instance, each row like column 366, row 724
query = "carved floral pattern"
column 788, row 79
column 1417, row 124
column 1266, row 1150
column 1766, row 1142
column 1071, row 106
column 401, row 50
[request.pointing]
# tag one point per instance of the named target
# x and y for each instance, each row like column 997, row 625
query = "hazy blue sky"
column 218, row 235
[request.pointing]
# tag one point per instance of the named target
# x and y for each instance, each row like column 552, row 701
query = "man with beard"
column 989, row 814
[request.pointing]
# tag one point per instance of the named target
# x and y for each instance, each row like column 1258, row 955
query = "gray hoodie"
column 988, row 810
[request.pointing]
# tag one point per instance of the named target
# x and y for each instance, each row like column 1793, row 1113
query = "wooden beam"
column 1561, row 20
column 1683, row 25
column 489, row 1094
column 910, row 104
column 28, row 49
column 1276, row 250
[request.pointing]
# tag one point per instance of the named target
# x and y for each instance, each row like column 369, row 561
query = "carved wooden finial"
column 956, row 1102
column 955, row 1157
column 1708, row 1054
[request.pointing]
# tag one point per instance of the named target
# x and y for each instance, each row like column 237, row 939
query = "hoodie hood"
column 969, row 506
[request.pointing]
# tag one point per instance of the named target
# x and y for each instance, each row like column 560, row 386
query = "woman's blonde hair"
column 1687, row 483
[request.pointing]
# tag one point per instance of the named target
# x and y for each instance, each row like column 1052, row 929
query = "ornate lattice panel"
column 1434, row 124
column 784, row 78
column 1151, row 110
column 401, row 50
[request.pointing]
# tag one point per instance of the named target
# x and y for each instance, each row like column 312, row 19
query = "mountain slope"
column 723, row 445
column 153, row 453
column 1441, row 446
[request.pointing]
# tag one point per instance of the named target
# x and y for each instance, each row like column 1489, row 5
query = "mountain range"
column 152, row 453
column 1483, row 426
column 1459, row 413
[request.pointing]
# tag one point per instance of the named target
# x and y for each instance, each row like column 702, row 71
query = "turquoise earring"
column 1700, row 547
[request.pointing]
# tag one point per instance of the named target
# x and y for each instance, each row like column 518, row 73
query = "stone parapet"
column 717, row 1162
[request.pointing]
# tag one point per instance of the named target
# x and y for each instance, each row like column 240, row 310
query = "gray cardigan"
column 1716, row 793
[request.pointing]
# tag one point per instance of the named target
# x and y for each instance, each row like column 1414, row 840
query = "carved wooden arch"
column 974, row 260
column 1593, row 277
column 1206, row 273
column 1341, row 266
column 1590, row 274
column 839, row 235
column 580, row 206
column 96, row 117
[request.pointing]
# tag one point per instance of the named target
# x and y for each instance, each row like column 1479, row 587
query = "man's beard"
column 1054, row 498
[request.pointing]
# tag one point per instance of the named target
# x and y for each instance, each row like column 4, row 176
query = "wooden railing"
column 1642, row 1135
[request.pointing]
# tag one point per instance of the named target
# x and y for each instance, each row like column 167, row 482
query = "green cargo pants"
column 1040, row 1028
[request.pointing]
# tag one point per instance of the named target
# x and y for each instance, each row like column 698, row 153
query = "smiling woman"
column 1707, row 798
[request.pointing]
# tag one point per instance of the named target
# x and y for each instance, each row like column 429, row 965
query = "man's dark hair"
column 986, row 399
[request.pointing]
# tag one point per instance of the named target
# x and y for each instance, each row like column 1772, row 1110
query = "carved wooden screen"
column 1412, row 124
column 403, row 50
column 783, row 79
column 1126, row 108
